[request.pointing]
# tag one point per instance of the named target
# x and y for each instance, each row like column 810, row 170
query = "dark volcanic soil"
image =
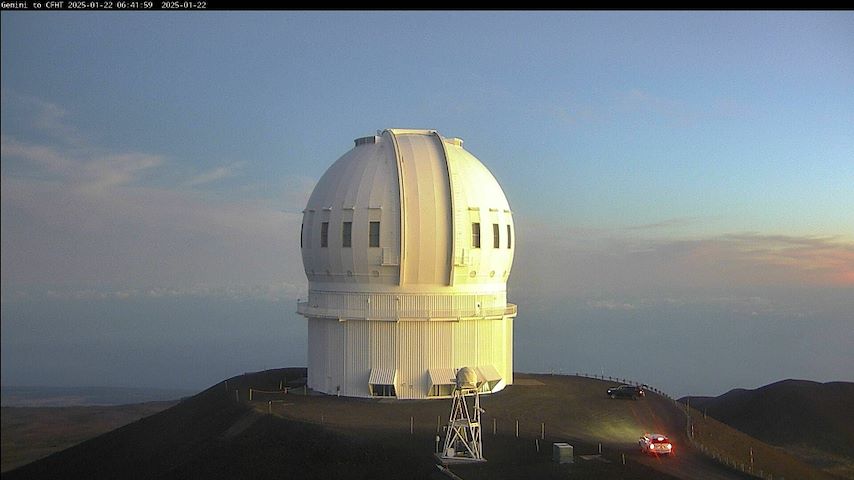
column 221, row 434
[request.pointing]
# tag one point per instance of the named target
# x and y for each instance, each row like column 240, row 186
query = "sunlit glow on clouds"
column 597, row 262
column 777, row 259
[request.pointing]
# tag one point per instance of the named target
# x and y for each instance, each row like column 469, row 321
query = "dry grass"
column 748, row 454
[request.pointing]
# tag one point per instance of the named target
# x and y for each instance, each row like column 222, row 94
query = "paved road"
column 687, row 464
column 618, row 424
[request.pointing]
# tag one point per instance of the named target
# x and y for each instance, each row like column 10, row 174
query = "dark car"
column 626, row 391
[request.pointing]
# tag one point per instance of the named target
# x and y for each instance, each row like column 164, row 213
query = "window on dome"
column 509, row 237
column 496, row 240
column 347, row 235
column 324, row 234
column 475, row 235
column 374, row 237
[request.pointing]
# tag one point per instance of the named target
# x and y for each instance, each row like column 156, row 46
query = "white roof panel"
column 443, row 376
column 382, row 376
column 489, row 373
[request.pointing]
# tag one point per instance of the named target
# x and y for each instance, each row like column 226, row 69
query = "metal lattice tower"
column 463, row 437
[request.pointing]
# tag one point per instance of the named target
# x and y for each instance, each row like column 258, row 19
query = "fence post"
column 751, row 459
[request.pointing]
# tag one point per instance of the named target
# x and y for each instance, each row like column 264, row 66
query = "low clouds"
column 669, row 223
column 82, row 221
column 141, row 237
column 278, row 292
column 635, row 104
column 86, row 171
column 757, row 259
column 48, row 148
column 37, row 116
column 78, row 218
column 214, row 174
column 608, row 265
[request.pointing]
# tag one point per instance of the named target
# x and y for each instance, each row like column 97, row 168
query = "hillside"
column 30, row 433
column 220, row 433
column 814, row 420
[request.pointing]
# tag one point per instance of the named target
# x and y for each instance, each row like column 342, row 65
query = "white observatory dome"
column 407, row 238
column 424, row 195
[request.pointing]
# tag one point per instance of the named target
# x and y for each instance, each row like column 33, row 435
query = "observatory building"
column 407, row 242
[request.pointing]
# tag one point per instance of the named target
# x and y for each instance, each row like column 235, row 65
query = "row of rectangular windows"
column 346, row 234
column 496, row 238
column 374, row 235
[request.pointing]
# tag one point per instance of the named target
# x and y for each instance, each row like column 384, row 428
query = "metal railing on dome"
column 304, row 308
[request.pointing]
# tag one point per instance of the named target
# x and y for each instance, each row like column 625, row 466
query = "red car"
column 655, row 443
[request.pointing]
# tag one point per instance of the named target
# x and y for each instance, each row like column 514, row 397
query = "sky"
column 682, row 184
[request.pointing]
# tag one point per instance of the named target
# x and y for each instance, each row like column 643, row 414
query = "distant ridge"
column 789, row 412
column 796, row 414
column 39, row 396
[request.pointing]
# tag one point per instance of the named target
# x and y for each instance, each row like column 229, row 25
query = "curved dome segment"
column 426, row 199
column 483, row 223
column 408, row 208
column 351, row 224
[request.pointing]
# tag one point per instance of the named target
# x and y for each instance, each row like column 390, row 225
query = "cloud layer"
column 77, row 219
column 553, row 261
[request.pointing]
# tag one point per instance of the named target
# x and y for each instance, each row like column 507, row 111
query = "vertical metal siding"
column 383, row 349
column 422, row 345
column 508, row 350
column 408, row 359
column 358, row 366
column 311, row 353
column 331, row 358
column 343, row 353
column 317, row 340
